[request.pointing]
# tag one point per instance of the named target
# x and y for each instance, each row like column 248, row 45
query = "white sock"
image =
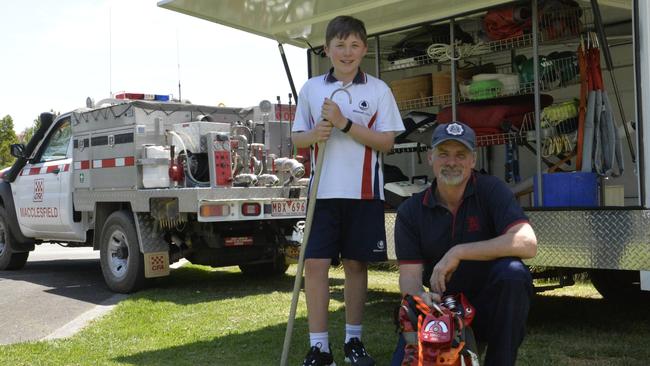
column 320, row 340
column 352, row 331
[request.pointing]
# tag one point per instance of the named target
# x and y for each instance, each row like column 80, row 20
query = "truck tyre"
column 9, row 259
column 119, row 254
column 275, row 268
column 617, row 285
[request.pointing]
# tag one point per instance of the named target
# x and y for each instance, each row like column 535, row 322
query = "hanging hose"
column 442, row 52
column 187, row 157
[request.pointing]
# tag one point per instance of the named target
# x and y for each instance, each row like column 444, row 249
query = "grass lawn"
column 204, row 316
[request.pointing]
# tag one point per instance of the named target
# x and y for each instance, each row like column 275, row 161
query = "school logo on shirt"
column 364, row 105
column 381, row 246
column 473, row 224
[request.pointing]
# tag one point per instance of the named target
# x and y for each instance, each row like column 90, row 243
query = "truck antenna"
column 110, row 52
column 178, row 64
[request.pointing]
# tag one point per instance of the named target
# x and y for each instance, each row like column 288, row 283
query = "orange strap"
column 420, row 348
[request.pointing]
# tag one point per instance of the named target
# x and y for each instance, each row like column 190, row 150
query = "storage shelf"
column 408, row 147
column 562, row 73
column 407, row 63
column 549, row 34
column 556, row 120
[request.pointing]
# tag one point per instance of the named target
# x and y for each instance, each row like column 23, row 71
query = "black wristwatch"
column 347, row 127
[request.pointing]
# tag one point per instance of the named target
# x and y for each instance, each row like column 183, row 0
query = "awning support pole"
column 288, row 71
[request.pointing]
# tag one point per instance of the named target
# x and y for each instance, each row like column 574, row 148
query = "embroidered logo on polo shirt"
column 455, row 129
column 381, row 246
column 473, row 224
column 364, row 105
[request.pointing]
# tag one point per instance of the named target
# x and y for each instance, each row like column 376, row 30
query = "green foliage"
column 7, row 137
column 29, row 131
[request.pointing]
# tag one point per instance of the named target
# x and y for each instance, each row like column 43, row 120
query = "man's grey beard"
column 450, row 180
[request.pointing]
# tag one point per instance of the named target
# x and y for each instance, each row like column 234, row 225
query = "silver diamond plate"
column 390, row 234
column 607, row 239
column 614, row 239
column 151, row 238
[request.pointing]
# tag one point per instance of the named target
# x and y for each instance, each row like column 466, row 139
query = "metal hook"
column 343, row 89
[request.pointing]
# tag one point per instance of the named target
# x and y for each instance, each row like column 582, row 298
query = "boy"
column 359, row 123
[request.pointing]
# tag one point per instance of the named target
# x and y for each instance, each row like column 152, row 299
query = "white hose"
column 187, row 158
column 442, row 52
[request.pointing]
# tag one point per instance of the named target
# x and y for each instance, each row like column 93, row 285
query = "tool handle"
column 311, row 204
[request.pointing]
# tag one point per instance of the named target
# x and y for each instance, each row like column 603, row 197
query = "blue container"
column 574, row 189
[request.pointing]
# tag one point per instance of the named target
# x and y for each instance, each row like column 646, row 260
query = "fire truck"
column 148, row 181
column 585, row 187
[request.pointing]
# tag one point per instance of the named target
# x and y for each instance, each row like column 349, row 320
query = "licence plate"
column 289, row 208
column 238, row 241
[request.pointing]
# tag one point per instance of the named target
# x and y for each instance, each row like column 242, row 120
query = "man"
column 471, row 230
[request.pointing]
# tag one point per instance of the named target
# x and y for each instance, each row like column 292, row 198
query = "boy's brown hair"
column 342, row 26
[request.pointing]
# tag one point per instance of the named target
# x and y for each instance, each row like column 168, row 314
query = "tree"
column 7, row 137
column 28, row 132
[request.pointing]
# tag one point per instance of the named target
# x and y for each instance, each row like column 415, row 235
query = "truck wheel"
column 121, row 261
column 9, row 259
column 618, row 285
column 275, row 268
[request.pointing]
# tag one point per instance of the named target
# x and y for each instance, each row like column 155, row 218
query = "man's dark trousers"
column 500, row 291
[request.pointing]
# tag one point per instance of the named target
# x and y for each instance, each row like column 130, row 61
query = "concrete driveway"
column 57, row 292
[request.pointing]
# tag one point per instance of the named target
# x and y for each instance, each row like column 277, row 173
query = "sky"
column 55, row 54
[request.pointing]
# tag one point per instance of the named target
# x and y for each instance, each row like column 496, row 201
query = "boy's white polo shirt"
column 350, row 169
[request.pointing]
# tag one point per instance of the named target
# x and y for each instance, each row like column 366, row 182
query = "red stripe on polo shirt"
column 366, row 179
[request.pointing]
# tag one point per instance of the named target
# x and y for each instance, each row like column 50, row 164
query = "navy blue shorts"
column 348, row 229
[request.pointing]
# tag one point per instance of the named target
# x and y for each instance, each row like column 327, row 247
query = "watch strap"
column 347, row 127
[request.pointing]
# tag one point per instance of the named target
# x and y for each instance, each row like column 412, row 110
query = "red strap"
column 582, row 111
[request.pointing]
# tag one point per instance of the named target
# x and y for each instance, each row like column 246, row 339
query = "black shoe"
column 355, row 353
column 315, row 357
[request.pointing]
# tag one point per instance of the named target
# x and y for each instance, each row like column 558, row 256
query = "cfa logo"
column 39, row 187
column 455, row 129
column 157, row 263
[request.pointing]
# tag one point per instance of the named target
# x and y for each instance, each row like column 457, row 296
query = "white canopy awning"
column 297, row 21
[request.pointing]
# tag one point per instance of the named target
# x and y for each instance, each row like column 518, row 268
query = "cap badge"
column 455, row 129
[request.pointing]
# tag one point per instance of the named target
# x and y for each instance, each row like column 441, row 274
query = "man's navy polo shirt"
column 425, row 230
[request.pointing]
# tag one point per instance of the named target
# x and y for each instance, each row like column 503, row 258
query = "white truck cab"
column 43, row 189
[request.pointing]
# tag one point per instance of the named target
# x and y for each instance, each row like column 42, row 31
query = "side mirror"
column 17, row 150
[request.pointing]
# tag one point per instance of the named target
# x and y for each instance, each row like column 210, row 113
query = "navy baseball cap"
column 456, row 131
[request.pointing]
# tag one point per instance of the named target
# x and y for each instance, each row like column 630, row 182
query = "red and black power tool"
column 437, row 335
